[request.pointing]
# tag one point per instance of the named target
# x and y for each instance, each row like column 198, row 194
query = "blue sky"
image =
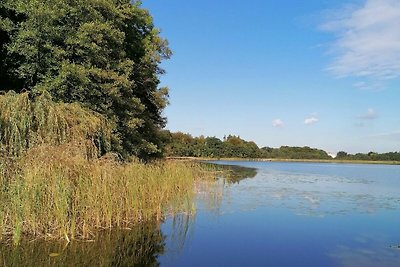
column 285, row 72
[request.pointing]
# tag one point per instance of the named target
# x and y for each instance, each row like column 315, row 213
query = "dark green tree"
column 341, row 155
column 104, row 54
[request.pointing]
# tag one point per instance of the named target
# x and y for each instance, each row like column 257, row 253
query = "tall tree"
column 9, row 20
column 104, row 54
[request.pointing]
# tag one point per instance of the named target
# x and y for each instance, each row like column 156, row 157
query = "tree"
column 341, row 155
column 104, row 54
column 9, row 18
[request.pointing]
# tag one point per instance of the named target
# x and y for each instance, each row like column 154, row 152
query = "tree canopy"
column 184, row 145
column 103, row 54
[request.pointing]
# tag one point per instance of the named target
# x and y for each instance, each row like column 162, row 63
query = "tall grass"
column 56, row 192
column 28, row 122
column 54, row 185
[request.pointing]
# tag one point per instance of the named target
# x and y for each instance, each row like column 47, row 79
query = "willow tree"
column 103, row 54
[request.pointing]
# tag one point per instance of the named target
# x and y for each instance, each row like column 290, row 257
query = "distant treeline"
column 184, row 145
column 372, row 156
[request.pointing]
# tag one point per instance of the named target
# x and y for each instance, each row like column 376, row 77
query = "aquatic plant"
column 57, row 192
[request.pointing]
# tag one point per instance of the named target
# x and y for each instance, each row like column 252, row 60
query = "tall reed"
column 56, row 192
column 53, row 183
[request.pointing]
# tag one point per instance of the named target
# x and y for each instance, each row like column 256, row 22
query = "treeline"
column 185, row 145
column 371, row 156
column 180, row 144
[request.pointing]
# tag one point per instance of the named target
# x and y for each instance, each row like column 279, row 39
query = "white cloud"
column 311, row 120
column 367, row 40
column 278, row 123
column 370, row 115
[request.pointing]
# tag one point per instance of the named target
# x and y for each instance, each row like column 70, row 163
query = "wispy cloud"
column 370, row 86
column 278, row 123
column 394, row 136
column 311, row 120
column 367, row 40
column 369, row 115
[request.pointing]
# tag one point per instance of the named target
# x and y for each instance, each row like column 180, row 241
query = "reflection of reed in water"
column 179, row 231
column 139, row 246
column 213, row 194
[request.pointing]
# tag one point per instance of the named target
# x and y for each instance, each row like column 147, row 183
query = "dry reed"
column 54, row 185
column 56, row 192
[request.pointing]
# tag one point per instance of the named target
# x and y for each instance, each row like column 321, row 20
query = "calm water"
column 260, row 214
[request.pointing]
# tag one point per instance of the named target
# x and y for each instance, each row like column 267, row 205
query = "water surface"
column 299, row 214
column 259, row 214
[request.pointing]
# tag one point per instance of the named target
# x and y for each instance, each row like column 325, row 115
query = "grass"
column 56, row 192
column 54, row 185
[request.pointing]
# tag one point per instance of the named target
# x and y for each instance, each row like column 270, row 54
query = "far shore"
column 290, row 160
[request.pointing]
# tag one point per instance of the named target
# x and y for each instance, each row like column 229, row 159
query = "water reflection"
column 140, row 246
column 310, row 194
column 367, row 251
column 255, row 217
column 233, row 174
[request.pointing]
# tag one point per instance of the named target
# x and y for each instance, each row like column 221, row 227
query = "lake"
column 259, row 214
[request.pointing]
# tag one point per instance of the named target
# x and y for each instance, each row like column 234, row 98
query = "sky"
column 316, row 73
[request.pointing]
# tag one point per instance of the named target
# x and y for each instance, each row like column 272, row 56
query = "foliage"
column 103, row 54
column 287, row 152
column 26, row 123
column 371, row 156
column 180, row 144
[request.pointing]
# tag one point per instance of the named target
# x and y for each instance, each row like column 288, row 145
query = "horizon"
column 322, row 75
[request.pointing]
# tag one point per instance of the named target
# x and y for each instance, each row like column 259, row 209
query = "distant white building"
column 333, row 155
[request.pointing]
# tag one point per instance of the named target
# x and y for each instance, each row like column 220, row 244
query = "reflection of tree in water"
column 213, row 194
column 136, row 247
column 234, row 174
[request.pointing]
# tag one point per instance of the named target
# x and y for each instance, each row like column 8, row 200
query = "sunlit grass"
column 54, row 185
column 56, row 192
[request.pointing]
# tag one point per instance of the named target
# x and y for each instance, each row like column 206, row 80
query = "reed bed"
column 56, row 192
column 54, row 184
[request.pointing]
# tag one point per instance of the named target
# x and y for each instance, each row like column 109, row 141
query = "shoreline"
column 289, row 160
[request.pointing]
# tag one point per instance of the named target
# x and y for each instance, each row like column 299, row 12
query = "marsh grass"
column 56, row 192
column 54, row 184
